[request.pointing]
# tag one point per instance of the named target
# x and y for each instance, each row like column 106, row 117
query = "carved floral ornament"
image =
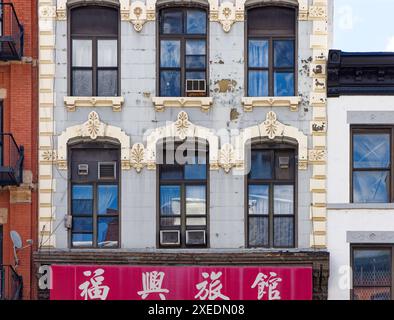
column 230, row 155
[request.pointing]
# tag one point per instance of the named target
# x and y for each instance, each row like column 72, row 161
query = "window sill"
column 360, row 206
column 160, row 103
column 72, row 103
column 253, row 102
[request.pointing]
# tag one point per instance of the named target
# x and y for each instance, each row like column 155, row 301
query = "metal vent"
column 107, row 170
column 195, row 237
column 196, row 86
column 83, row 169
column 170, row 237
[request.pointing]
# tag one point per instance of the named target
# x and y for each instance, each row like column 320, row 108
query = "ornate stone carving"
column 271, row 125
column 72, row 103
column 137, row 157
column 317, row 155
column 49, row 155
column 227, row 13
column 204, row 103
column 254, row 102
column 317, row 12
column 93, row 125
column 182, row 125
column 140, row 12
column 61, row 10
column 47, row 12
column 227, row 157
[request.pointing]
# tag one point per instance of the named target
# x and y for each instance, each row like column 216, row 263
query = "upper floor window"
column 95, row 193
column 372, row 165
column 271, row 51
column 271, row 194
column 183, row 52
column 94, row 51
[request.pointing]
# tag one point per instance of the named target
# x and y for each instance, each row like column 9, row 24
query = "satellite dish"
column 16, row 239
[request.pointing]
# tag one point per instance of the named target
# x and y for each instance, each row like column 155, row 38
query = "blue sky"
column 364, row 25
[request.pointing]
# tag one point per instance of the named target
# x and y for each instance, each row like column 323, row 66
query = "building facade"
column 360, row 209
column 18, row 145
column 183, row 133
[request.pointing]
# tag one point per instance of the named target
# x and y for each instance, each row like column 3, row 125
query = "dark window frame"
column 182, row 37
column 271, row 38
column 372, row 129
column 271, row 183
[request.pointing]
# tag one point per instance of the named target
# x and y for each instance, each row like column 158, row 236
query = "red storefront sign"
column 180, row 283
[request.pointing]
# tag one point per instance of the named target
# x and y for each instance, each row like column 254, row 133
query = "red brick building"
column 18, row 145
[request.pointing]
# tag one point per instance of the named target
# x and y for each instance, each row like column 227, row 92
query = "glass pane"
column 196, row 22
column 196, row 167
column 370, row 186
column 107, row 83
column 170, row 53
column 284, row 53
column 258, row 199
column 82, row 240
column 170, row 172
column 284, row 84
column 258, row 83
column 258, row 231
column 195, row 47
column 108, row 232
column 170, row 200
column 195, row 62
column 283, row 232
column 283, row 199
column 107, row 53
column 82, row 200
column 170, row 82
column 82, row 224
column 196, row 221
column 196, row 75
column 371, row 151
column 169, row 222
column 172, row 22
column 82, row 53
column 108, row 199
column 258, row 54
column 261, row 167
column 82, row 83
column 372, row 293
column 195, row 200
column 371, row 267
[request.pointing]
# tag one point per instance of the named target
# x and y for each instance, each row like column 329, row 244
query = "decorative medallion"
column 137, row 157
column 271, row 125
column 227, row 157
column 182, row 125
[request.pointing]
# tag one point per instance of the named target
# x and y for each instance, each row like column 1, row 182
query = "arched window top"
column 258, row 3
column 182, row 3
column 183, row 20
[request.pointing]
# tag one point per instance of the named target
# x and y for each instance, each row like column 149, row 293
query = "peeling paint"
column 234, row 114
column 225, row 85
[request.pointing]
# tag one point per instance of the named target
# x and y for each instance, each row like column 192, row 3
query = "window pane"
column 170, row 82
column 196, row 22
column 108, row 232
column 170, row 53
column 195, row 62
column 108, row 199
column 284, row 53
column 82, row 200
column 82, row 224
column 107, row 53
column 258, row 199
column 172, row 22
column 258, row 54
column 371, row 267
column 196, row 167
column 107, row 83
column 283, row 199
column 195, row 47
column 195, row 200
column 195, row 75
column 371, row 151
column 258, row 231
column 170, row 200
column 283, row 232
column 258, row 84
column 370, row 186
column 169, row 222
column 82, row 83
column 170, row 172
column 261, row 167
column 284, row 84
column 82, row 239
column 372, row 293
column 196, row 221
column 82, row 53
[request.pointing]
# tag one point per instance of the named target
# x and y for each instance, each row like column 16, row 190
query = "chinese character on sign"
column 262, row 281
column 213, row 290
column 151, row 283
column 93, row 289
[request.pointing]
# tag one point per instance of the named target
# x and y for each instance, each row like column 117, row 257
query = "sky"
column 364, row 25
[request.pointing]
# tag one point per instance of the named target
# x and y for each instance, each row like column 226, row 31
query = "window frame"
column 182, row 37
column 372, row 129
column 95, row 68
column 272, row 182
column 183, row 183
column 271, row 69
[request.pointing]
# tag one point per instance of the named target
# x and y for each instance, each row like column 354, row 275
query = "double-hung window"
column 271, row 51
column 94, row 51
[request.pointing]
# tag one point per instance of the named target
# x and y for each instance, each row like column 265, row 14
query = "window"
column 372, row 273
column 271, row 193
column 183, row 52
column 94, row 196
column 271, row 51
column 94, row 51
column 371, row 165
column 183, row 205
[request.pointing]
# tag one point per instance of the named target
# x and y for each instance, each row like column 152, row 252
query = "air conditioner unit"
column 196, row 87
column 170, row 237
column 195, row 237
column 107, row 170
column 83, row 169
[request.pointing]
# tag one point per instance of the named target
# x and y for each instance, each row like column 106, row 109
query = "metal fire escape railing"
column 11, row 161
column 11, row 283
column 11, row 33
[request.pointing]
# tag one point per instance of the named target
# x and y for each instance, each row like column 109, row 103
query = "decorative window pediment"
column 72, row 103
